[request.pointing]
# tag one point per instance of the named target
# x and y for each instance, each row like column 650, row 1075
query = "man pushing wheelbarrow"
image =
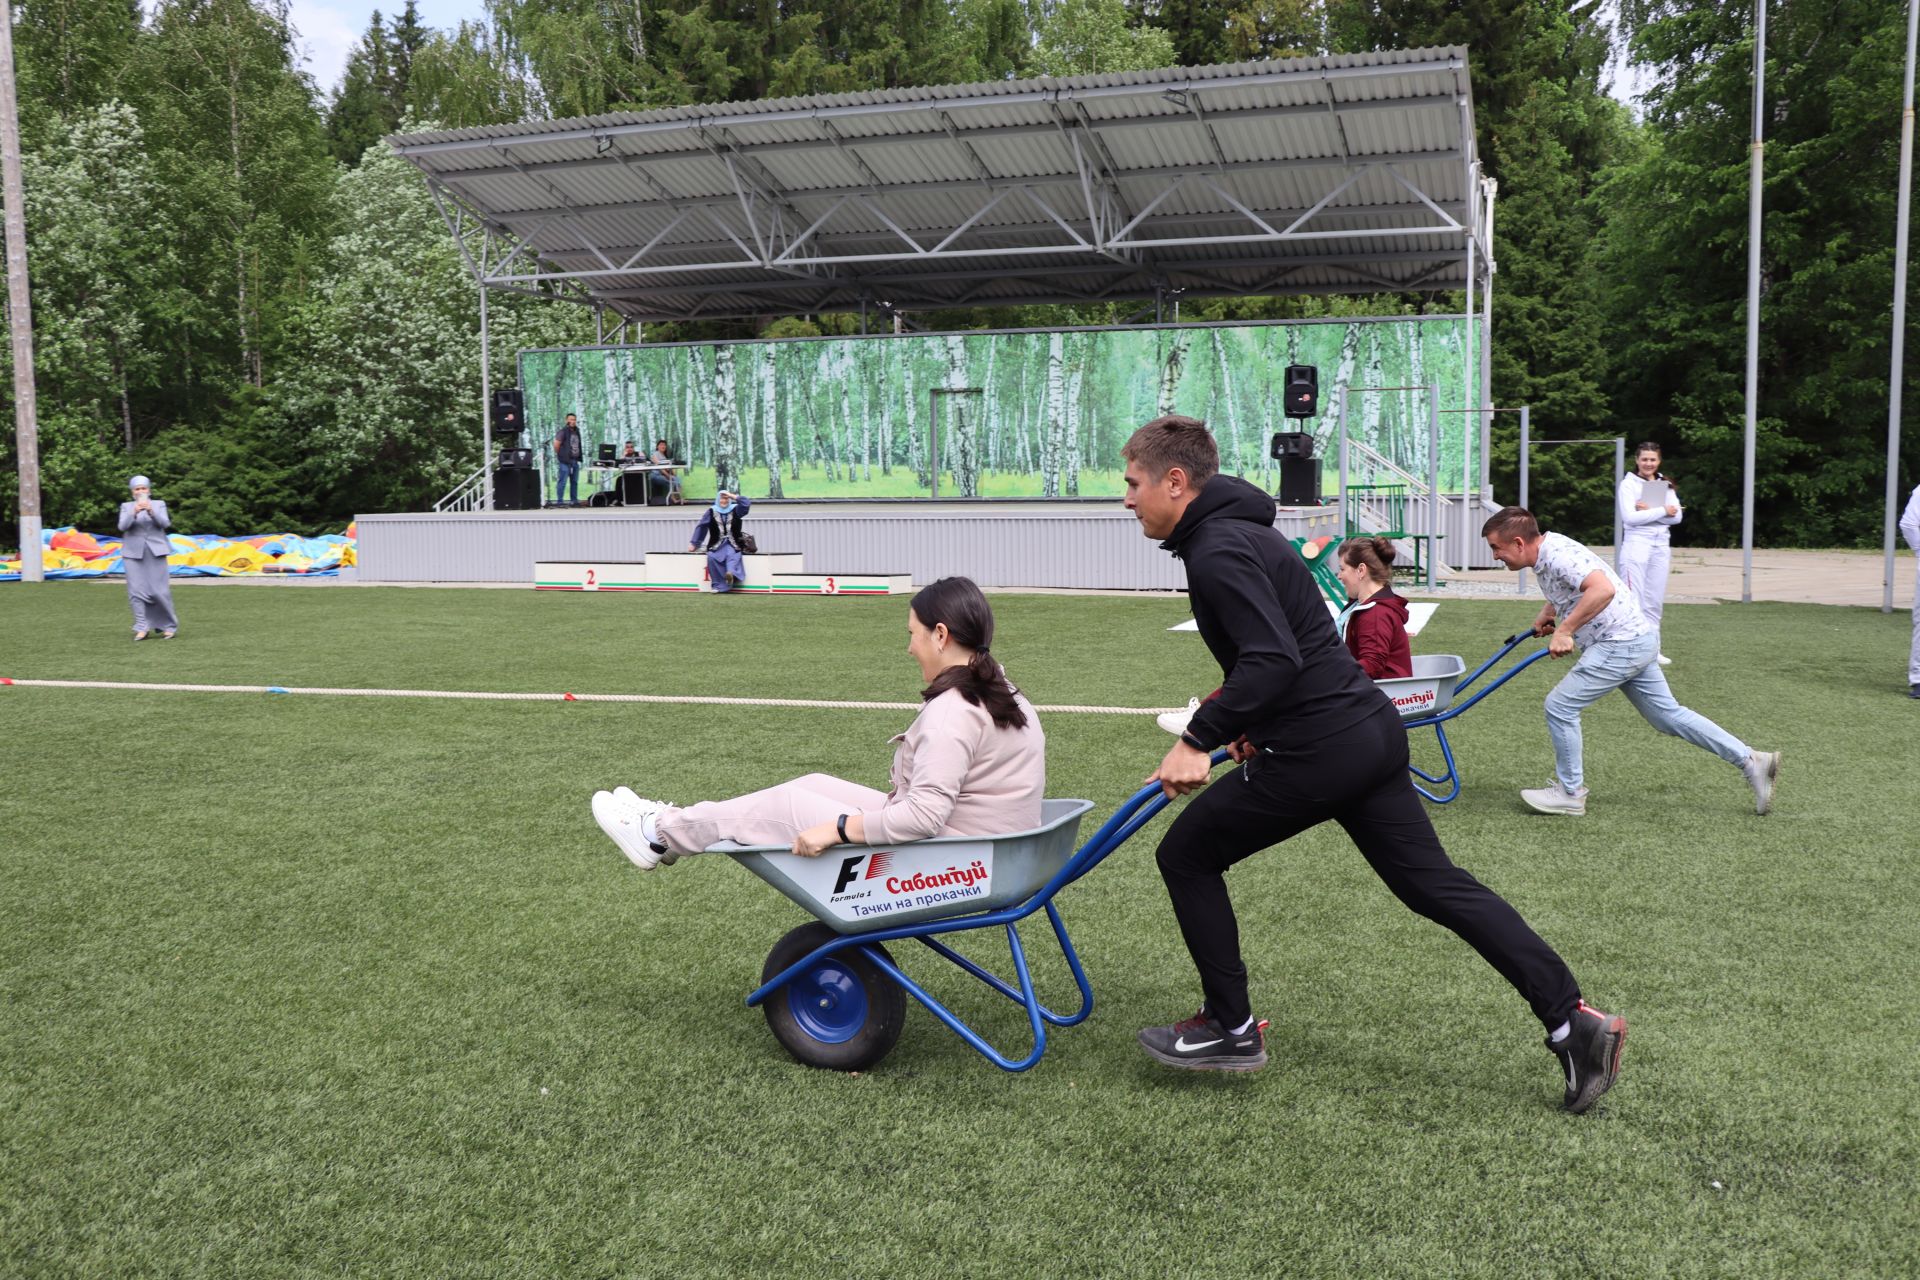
column 1316, row 741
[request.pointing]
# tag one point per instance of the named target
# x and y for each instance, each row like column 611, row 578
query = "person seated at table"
column 663, row 458
column 631, row 454
column 1374, row 623
column 972, row 763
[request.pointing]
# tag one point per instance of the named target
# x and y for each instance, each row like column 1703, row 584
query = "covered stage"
column 1090, row 546
column 1354, row 174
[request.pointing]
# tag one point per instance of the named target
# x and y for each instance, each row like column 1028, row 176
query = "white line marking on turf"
column 481, row 695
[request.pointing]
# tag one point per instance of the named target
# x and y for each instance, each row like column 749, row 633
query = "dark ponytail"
column 959, row 604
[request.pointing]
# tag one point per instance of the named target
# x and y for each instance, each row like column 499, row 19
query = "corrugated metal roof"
column 1352, row 173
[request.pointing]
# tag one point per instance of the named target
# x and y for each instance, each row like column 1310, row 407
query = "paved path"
column 1702, row 575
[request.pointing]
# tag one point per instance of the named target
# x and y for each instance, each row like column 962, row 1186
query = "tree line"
column 240, row 292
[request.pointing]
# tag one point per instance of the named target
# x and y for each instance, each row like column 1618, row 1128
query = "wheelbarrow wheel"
column 841, row 1012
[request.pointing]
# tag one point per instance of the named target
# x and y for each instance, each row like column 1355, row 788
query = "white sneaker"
column 629, row 825
column 1554, row 798
column 1763, row 770
column 1663, row 659
column 625, row 795
column 1175, row 722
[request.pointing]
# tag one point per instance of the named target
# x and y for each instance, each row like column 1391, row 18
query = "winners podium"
column 767, row 574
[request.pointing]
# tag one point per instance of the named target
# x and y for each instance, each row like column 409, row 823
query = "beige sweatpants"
column 773, row 816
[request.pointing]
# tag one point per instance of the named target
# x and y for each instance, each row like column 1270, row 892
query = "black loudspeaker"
column 1302, row 396
column 1299, row 482
column 509, row 409
column 516, row 489
column 1291, row 444
column 517, row 458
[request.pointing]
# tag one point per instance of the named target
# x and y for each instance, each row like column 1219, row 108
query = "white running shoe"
column 629, row 825
column 1663, row 659
column 1175, row 722
column 1763, row 771
column 1554, row 798
column 625, row 795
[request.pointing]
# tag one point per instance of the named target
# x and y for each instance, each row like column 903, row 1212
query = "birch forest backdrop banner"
column 1027, row 414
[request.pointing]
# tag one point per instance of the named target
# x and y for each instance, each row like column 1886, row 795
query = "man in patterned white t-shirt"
column 1588, row 605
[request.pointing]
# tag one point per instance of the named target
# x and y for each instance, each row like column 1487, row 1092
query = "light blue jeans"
column 1629, row 666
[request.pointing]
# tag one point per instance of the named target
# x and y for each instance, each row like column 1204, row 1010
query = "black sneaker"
column 1201, row 1044
column 1590, row 1055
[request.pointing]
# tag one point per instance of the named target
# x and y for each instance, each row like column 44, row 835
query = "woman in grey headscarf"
column 143, row 555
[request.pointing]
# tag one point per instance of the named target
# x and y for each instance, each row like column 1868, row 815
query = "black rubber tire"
column 885, row 1004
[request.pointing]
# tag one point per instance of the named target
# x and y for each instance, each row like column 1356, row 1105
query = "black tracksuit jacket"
column 1289, row 681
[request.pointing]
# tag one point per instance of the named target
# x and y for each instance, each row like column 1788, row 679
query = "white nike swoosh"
column 1182, row 1046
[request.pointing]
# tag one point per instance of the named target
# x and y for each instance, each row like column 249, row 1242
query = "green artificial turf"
column 297, row 985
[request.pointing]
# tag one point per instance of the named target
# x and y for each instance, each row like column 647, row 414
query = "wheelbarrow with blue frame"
column 833, row 994
column 1426, row 698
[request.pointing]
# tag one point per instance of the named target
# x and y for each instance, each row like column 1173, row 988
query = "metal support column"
column 1469, row 399
column 1755, row 150
column 486, row 409
column 1899, row 313
column 1619, row 470
column 1526, row 434
column 1486, row 349
column 26, row 420
column 1340, row 417
column 1433, row 482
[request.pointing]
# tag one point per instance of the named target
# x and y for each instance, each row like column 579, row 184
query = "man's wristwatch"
column 842, row 825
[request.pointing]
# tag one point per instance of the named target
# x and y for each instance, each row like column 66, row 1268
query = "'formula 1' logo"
column 849, row 872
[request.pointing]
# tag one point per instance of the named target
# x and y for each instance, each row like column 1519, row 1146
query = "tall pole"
column 1899, row 312
column 1526, row 443
column 1490, row 187
column 1433, row 481
column 486, row 406
column 1469, row 399
column 1754, row 151
column 1619, row 470
column 1346, row 511
column 26, row 425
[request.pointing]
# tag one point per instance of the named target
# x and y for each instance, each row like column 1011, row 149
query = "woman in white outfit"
column 1645, row 556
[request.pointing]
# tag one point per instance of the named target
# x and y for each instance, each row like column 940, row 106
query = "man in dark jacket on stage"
column 1315, row 740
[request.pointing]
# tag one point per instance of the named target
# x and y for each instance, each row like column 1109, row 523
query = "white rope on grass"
column 820, row 704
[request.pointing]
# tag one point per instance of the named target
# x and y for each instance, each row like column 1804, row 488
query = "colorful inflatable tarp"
column 70, row 553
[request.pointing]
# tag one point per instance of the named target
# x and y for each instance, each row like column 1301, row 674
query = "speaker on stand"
column 1299, row 469
column 516, row 489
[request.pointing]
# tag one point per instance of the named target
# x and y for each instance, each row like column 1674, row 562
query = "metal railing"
column 469, row 495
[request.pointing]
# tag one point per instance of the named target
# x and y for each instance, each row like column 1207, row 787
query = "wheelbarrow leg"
column 1450, row 778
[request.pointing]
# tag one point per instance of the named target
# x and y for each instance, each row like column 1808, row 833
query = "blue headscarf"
column 720, row 510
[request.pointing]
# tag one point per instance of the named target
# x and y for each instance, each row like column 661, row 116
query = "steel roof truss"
column 872, row 207
column 566, row 202
column 1325, row 200
column 646, row 248
column 974, row 217
column 1153, row 204
column 1421, row 196
column 980, row 170
column 1046, row 209
column 853, row 157
column 793, row 246
column 1233, row 200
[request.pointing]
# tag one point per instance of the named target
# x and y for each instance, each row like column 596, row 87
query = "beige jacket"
column 956, row 774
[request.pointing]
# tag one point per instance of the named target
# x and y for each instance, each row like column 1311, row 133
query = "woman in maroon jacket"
column 1375, row 623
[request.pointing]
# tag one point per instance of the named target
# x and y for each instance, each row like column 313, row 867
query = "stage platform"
column 1086, row 545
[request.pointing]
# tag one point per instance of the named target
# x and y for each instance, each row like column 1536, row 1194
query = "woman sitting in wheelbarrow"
column 1374, row 623
column 972, row 763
